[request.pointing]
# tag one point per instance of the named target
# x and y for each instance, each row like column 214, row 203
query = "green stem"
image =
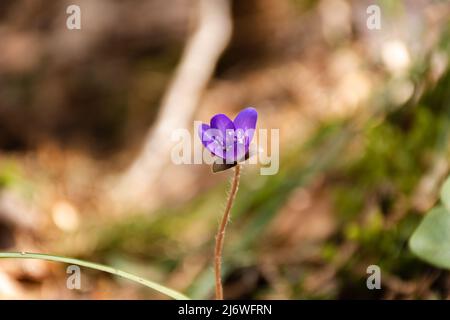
column 155, row 286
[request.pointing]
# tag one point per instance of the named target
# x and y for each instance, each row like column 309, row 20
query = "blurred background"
column 85, row 123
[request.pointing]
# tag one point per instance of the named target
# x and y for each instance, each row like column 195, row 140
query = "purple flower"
column 227, row 139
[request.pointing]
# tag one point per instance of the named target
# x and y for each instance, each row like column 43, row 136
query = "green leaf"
column 155, row 286
column 445, row 193
column 431, row 240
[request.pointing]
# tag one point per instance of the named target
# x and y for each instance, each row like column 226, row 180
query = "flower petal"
column 223, row 135
column 212, row 139
column 245, row 124
column 216, row 148
column 222, row 122
column 241, row 146
column 205, row 134
column 246, row 119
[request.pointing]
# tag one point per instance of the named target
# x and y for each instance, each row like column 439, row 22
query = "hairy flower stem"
column 221, row 232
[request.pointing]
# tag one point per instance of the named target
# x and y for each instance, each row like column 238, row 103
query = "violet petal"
column 223, row 136
column 246, row 119
column 204, row 134
column 245, row 124
column 222, row 122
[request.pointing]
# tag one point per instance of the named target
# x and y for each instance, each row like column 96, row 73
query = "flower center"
column 233, row 140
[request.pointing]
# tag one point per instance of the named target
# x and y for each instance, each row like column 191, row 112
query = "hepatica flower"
column 229, row 140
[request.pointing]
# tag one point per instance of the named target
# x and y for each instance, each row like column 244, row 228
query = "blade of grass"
column 155, row 286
